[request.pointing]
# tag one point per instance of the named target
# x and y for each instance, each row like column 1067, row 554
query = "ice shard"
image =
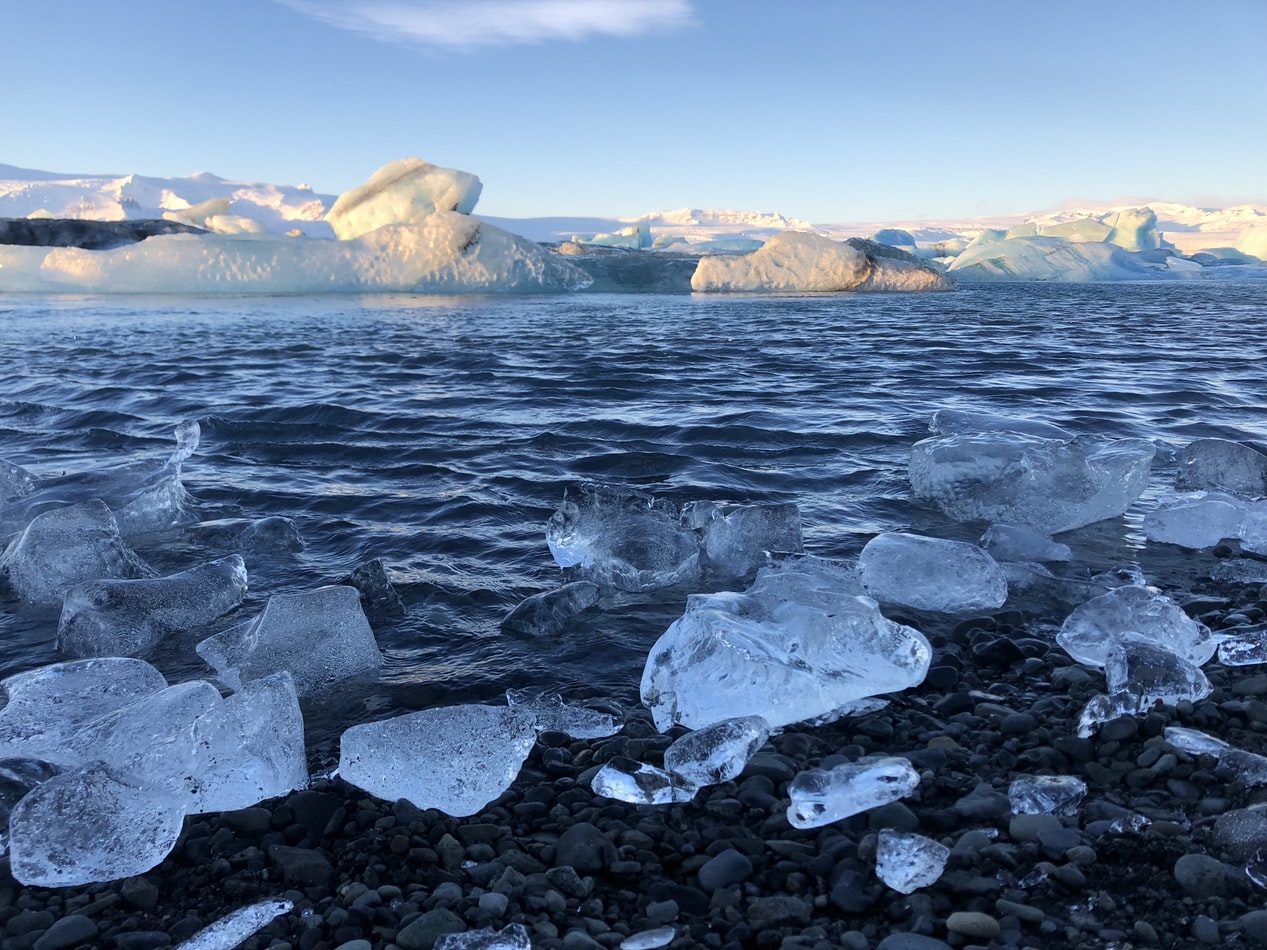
column 319, row 636
column 1196, row 521
column 798, row 644
column 454, row 758
column 737, row 542
column 131, row 617
column 548, row 614
column 821, row 796
column 1249, row 767
column 91, row 824
column 1243, row 646
column 1222, row 465
column 1091, row 630
column 906, row 862
column 551, row 713
column 232, row 930
column 1046, row 794
column 931, row 574
column 1043, row 484
column 510, row 937
column 639, row 783
column 64, row 547
column 716, row 753
column 1011, row 542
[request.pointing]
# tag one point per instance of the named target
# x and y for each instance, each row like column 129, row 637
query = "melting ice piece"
column 968, row 422
column 1043, row 484
column 736, row 543
column 797, row 644
column 716, row 753
column 1198, row 521
column 248, row 748
column 649, row 939
column 626, row 780
column 1152, row 673
column 622, row 539
column 1046, row 795
column 1012, row 542
column 1249, row 767
column 91, row 824
column 548, row 614
column 907, row 862
column 64, row 547
column 1091, row 630
column 319, row 636
column 228, row 932
column 510, row 937
column 1254, row 528
column 553, row 714
column 1240, row 571
column 17, row 778
column 821, row 796
column 1243, row 646
column 1222, row 465
column 128, row 618
column 931, row 574
column 454, row 758
column 271, row 535
column 15, row 482
column 48, row 704
column 1101, row 709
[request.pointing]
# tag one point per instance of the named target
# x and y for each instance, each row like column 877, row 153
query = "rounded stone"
column 972, row 923
column 1202, row 876
column 726, row 868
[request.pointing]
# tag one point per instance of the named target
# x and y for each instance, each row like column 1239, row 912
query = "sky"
column 825, row 110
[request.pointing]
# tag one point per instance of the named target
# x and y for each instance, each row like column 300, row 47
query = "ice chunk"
column 623, row 539
column 1222, row 465
column 91, row 824
column 17, row 778
column 797, row 644
column 906, row 862
column 551, row 713
column 1101, row 709
column 405, row 191
column 48, row 704
column 1043, row 484
column 1010, row 542
column 64, row 547
column 969, row 422
column 510, row 937
column 1243, row 646
column 1254, row 528
column 454, row 758
column 736, row 543
column 1048, row 258
column 1240, row 571
column 625, row 780
column 248, row 748
column 230, row 931
column 547, row 614
column 1195, row 521
column 716, row 753
column 931, row 574
column 128, row 618
column 15, row 482
column 1152, row 673
column 1091, row 630
column 271, row 535
column 319, row 636
column 649, row 939
column 1046, row 795
column 1249, row 767
column 821, row 796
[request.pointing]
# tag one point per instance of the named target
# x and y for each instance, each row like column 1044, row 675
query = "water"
column 440, row 434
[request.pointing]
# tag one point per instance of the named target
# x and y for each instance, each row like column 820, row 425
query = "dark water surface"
column 439, row 435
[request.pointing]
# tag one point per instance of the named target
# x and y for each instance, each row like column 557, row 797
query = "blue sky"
column 828, row 110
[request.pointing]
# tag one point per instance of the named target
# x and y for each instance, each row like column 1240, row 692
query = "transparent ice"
column 716, row 753
column 64, row 547
column 379, row 596
column 1243, row 646
column 1240, row 571
column 736, row 542
column 907, row 862
column 931, row 574
column 551, row 713
column 1222, row 465
column 1091, row 630
column 1046, row 794
column 1044, row 484
column 1196, row 521
column 548, row 614
column 798, row 644
column 1011, row 542
column 15, row 482
column 510, row 937
column 821, row 796
column 1152, row 673
column 453, row 758
column 131, row 617
column 1254, row 528
column 649, row 939
column 319, row 636
column 622, row 538
column 1249, row 767
column 638, row 783
column 230, row 931
column 17, row 778
column 271, row 535
column 91, row 824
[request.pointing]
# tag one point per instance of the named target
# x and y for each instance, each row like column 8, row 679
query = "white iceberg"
column 405, row 191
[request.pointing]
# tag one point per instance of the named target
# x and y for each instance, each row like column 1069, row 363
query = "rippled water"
column 439, row 434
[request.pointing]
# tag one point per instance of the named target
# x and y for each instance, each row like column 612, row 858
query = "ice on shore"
column 551, row 713
column 931, row 574
column 64, row 547
column 737, row 542
column 91, row 824
column 548, row 614
column 1010, row 542
column 799, row 643
column 822, row 796
column 639, row 783
column 1249, row 767
column 716, row 753
column 17, row 777
column 319, row 636
column 1222, row 465
column 455, row 758
column 1243, row 646
column 510, row 937
column 130, row 617
column 233, row 929
column 906, row 862
column 405, row 191
column 1092, row 630
column 1046, row 794
column 1153, row 673
column 1195, row 521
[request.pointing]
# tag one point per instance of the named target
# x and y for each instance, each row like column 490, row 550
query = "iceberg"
column 455, row 758
column 822, row 796
column 971, row 422
column 128, row 618
column 906, row 862
column 799, row 643
column 931, row 574
column 319, row 636
column 405, row 191
column 1051, row 258
column 1092, row 630
column 1151, row 673
column 17, row 778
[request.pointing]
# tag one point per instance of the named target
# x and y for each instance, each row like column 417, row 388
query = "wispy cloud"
column 465, row 24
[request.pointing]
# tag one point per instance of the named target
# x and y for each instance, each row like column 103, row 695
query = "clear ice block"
column 906, row 862
column 1012, row 542
column 1091, row 630
column 821, row 796
column 931, row 574
column 638, row 783
column 548, row 614
column 716, row 753
column 1046, row 795
column 553, row 714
